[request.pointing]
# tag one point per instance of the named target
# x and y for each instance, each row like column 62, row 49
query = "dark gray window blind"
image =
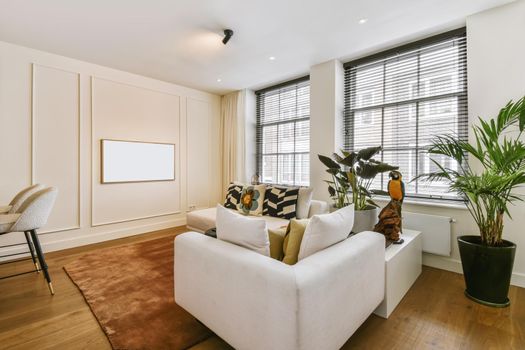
column 283, row 133
column 402, row 98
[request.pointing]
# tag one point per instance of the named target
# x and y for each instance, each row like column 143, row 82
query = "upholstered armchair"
column 19, row 199
column 31, row 215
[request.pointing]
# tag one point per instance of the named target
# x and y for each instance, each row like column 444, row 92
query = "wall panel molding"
column 152, row 131
column 55, row 141
column 205, row 136
column 40, row 89
column 141, row 87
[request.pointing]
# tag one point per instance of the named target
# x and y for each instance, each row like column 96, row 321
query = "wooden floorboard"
column 433, row 315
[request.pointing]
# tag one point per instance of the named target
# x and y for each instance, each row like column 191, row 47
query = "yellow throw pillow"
column 276, row 237
column 292, row 240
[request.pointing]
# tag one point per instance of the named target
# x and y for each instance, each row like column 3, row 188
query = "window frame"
column 382, row 58
column 260, row 126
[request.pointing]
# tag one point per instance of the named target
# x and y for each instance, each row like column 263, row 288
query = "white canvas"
column 128, row 161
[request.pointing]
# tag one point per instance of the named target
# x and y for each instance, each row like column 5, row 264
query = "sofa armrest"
column 247, row 298
column 318, row 207
column 339, row 287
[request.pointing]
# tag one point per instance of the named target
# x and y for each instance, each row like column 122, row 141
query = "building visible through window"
column 402, row 99
column 283, row 133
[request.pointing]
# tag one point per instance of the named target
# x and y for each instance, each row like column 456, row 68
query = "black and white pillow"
column 233, row 196
column 280, row 202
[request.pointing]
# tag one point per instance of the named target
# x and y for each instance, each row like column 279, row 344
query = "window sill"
column 426, row 203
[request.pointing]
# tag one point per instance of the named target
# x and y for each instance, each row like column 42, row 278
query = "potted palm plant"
column 352, row 176
column 487, row 258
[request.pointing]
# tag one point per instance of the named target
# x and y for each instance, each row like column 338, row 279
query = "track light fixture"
column 228, row 33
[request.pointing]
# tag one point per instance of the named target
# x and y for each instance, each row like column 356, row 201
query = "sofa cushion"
column 274, row 223
column 303, row 202
column 276, row 237
column 280, row 202
column 201, row 220
column 204, row 219
column 252, row 198
column 325, row 230
column 233, row 196
column 292, row 240
column 250, row 233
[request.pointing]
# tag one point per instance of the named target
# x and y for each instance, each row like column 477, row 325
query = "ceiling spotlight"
column 219, row 80
column 228, row 33
column 271, row 58
column 363, row 20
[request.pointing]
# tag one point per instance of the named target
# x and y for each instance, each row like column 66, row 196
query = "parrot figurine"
column 390, row 220
column 396, row 190
column 396, row 187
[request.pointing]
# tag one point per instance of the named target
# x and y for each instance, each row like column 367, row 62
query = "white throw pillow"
column 248, row 232
column 325, row 230
column 303, row 202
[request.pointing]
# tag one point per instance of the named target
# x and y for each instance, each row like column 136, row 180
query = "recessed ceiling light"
column 219, row 80
column 363, row 20
column 271, row 58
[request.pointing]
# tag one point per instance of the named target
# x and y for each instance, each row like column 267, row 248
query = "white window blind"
column 401, row 99
column 283, row 133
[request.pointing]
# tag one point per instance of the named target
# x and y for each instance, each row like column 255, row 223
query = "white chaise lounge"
column 204, row 219
column 255, row 302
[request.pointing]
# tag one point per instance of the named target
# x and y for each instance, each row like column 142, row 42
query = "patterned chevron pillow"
column 281, row 202
column 233, row 196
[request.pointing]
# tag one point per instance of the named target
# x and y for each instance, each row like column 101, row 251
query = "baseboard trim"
column 51, row 243
column 454, row 265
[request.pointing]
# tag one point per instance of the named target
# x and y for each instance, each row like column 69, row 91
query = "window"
column 283, row 133
column 401, row 99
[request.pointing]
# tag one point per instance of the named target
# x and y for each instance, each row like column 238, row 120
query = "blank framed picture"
column 135, row 161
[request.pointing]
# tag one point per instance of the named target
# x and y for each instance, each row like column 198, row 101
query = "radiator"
column 435, row 230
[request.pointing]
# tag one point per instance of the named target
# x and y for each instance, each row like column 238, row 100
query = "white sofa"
column 255, row 302
column 204, row 219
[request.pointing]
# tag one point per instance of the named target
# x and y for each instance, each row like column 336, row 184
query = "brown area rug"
column 130, row 291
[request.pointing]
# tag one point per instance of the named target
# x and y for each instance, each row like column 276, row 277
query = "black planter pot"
column 487, row 270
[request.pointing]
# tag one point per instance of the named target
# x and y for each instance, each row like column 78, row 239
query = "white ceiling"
column 180, row 40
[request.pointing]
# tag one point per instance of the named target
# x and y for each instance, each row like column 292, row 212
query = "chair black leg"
column 32, row 251
column 42, row 260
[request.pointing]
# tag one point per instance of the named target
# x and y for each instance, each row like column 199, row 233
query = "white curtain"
column 232, row 139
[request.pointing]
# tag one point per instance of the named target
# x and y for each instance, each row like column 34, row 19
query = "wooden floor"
column 433, row 315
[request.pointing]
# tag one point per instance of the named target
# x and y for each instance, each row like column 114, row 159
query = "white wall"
column 54, row 111
column 496, row 74
column 326, row 115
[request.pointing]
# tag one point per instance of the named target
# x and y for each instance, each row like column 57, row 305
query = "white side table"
column 402, row 267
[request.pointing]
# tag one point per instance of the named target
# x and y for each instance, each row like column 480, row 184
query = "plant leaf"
column 329, row 162
column 349, row 160
column 367, row 153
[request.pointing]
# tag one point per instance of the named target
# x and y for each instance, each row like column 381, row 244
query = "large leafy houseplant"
column 488, row 190
column 352, row 176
